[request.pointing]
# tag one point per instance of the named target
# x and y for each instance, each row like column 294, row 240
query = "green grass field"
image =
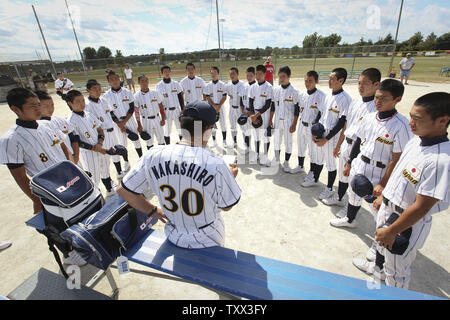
column 426, row 69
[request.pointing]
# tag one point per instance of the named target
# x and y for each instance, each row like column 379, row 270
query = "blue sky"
column 140, row 26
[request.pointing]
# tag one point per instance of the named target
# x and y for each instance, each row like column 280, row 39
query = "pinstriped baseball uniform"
column 169, row 92
column 36, row 147
column 423, row 168
column 193, row 89
column 233, row 90
column 60, row 125
column 85, row 126
column 284, row 100
column 310, row 105
column 261, row 93
column 245, row 90
column 192, row 184
column 355, row 114
column 336, row 106
column 101, row 110
column 148, row 102
column 379, row 139
column 119, row 104
column 216, row 90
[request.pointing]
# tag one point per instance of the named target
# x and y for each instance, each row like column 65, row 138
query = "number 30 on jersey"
column 186, row 205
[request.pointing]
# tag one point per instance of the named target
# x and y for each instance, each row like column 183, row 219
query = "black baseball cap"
column 201, row 110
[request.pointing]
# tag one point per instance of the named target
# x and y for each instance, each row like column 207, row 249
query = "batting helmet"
column 118, row 150
column 145, row 135
column 361, row 186
column 132, row 135
column 242, row 120
column 259, row 123
column 121, row 150
column 317, row 130
column 401, row 241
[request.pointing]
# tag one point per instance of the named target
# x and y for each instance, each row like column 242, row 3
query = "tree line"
column 311, row 43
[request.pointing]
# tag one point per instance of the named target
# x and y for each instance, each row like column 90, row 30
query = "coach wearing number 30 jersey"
column 192, row 184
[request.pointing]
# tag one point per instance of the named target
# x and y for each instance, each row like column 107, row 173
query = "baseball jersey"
column 260, row 93
column 423, row 168
column 192, row 185
column 60, row 126
column 85, row 126
column 381, row 137
column 285, row 100
column 233, row 90
column 335, row 107
column 355, row 114
column 63, row 84
column 101, row 110
column 245, row 90
column 148, row 102
column 35, row 146
column 311, row 104
column 119, row 101
column 215, row 91
column 170, row 92
column 193, row 89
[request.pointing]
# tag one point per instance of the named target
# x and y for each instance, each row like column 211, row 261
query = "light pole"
column 395, row 40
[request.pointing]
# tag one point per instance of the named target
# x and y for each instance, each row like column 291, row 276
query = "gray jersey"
column 192, row 185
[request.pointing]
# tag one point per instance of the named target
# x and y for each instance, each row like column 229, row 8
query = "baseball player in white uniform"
column 216, row 94
column 91, row 137
column 192, row 85
column 311, row 109
column 99, row 107
column 121, row 104
column 367, row 86
column 233, row 89
column 152, row 112
column 28, row 148
column 417, row 189
column 333, row 120
column 192, row 184
column 260, row 101
column 62, row 85
column 173, row 100
column 284, row 115
column 244, row 103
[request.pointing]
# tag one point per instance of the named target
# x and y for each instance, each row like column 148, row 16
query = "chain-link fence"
column 300, row 60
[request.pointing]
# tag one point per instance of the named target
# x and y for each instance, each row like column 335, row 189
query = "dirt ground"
column 275, row 218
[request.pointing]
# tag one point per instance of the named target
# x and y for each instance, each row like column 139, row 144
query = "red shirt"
column 269, row 72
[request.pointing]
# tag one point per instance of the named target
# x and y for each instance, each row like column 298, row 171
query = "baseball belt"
column 389, row 204
column 369, row 161
column 349, row 141
column 235, row 107
column 149, row 117
column 110, row 130
column 171, row 109
column 306, row 124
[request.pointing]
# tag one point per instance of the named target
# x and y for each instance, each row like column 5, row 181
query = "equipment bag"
column 68, row 196
column 108, row 233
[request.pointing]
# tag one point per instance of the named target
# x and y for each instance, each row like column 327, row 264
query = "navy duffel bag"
column 77, row 219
